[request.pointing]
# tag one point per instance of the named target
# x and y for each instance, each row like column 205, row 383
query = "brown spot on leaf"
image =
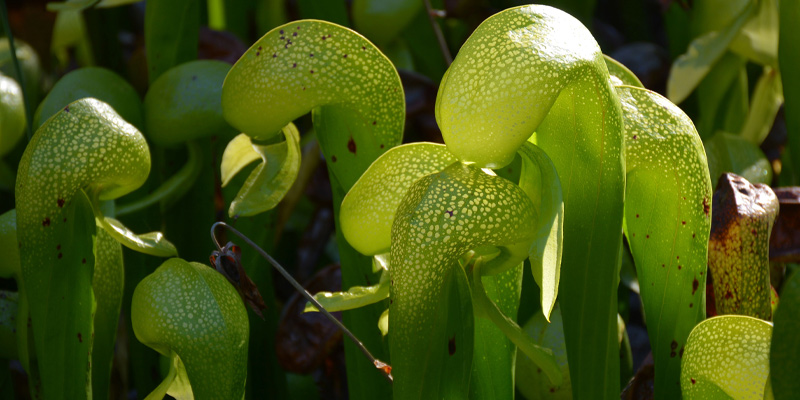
column 46, row 222
column 60, row 203
column 333, row 158
column 706, row 206
column 693, row 381
column 80, row 338
column 451, row 345
column 60, row 255
column 673, row 345
column 695, row 285
column 83, row 261
column 351, row 145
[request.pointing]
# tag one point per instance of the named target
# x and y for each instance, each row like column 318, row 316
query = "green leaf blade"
column 691, row 67
column 668, row 238
column 783, row 362
column 108, row 287
column 539, row 179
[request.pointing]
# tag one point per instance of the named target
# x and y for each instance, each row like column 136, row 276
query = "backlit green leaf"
column 691, row 67
column 458, row 216
column 355, row 297
column 540, row 181
column 368, row 210
column 535, row 68
column 238, row 154
column 353, row 90
column 152, row 243
column 192, row 311
column 270, row 180
column 767, row 100
column 667, row 222
column 726, row 357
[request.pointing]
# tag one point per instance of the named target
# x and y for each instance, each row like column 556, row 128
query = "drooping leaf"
column 191, row 311
column 100, row 83
column 731, row 153
column 353, row 90
column 738, row 249
column 238, row 154
column 783, row 360
column 529, row 379
column 667, row 222
column 539, row 179
column 726, row 357
column 691, row 67
column 355, row 297
column 486, row 111
column 442, row 216
column 368, row 210
column 152, row 243
column 184, row 103
column 767, row 100
column 270, row 180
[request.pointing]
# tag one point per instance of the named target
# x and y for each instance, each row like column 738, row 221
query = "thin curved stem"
column 385, row 368
column 438, row 31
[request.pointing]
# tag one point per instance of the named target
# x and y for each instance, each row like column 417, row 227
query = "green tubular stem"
column 300, row 289
column 488, row 309
column 174, row 187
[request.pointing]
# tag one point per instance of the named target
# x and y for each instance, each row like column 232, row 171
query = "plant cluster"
column 556, row 164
